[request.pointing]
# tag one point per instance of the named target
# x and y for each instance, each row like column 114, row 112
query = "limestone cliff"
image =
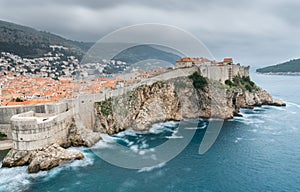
column 176, row 99
column 172, row 96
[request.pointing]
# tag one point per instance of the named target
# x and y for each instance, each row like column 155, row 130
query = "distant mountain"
column 147, row 52
column 29, row 42
column 143, row 57
column 292, row 66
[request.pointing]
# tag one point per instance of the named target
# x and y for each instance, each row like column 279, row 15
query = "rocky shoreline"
column 53, row 155
column 42, row 159
column 173, row 99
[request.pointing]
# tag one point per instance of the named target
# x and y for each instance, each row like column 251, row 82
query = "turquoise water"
column 257, row 152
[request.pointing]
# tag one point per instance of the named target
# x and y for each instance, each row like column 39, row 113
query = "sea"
column 257, row 152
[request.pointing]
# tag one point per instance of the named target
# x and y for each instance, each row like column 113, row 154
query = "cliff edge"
column 176, row 95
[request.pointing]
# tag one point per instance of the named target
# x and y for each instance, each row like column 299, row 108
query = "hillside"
column 292, row 66
column 144, row 52
column 28, row 42
column 31, row 43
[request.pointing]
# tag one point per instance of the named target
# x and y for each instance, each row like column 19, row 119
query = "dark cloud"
column 254, row 32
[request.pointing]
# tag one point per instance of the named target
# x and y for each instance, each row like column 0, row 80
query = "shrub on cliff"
column 105, row 106
column 2, row 135
column 199, row 82
column 229, row 83
column 244, row 83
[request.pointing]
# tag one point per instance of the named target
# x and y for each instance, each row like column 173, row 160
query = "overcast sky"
column 256, row 33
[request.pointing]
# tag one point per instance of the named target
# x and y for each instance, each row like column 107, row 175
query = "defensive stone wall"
column 32, row 131
column 6, row 112
column 222, row 73
column 35, row 126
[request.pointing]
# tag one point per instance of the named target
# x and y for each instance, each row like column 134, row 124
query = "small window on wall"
column 21, row 139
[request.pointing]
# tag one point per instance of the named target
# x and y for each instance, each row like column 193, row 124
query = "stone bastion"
column 32, row 130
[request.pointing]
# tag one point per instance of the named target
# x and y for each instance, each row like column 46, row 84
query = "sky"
column 256, row 33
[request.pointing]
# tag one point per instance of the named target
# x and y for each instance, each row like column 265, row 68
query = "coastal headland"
column 41, row 133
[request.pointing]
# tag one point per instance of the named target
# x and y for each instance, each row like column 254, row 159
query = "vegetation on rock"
column 199, row 82
column 244, row 83
column 105, row 106
column 2, row 135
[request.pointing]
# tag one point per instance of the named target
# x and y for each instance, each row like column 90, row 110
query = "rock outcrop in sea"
column 42, row 159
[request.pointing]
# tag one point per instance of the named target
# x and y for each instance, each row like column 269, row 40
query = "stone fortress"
column 32, row 127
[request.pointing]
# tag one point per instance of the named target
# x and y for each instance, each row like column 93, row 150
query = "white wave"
column 171, row 124
column 162, row 127
column 102, row 145
column 74, row 165
column 293, row 104
column 249, row 119
column 254, row 130
column 127, row 132
column 238, row 139
column 107, row 138
column 17, row 178
column 174, row 135
column 196, row 128
column 147, row 169
column 134, row 148
column 144, row 145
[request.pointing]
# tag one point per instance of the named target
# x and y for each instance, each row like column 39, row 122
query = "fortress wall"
column 214, row 72
column 49, row 123
column 6, row 112
column 222, row 73
column 240, row 71
column 84, row 104
column 30, row 132
column 55, row 108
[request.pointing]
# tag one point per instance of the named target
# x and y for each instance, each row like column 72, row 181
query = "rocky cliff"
column 175, row 99
column 181, row 97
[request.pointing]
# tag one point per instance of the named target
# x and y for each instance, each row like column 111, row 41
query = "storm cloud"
column 257, row 33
